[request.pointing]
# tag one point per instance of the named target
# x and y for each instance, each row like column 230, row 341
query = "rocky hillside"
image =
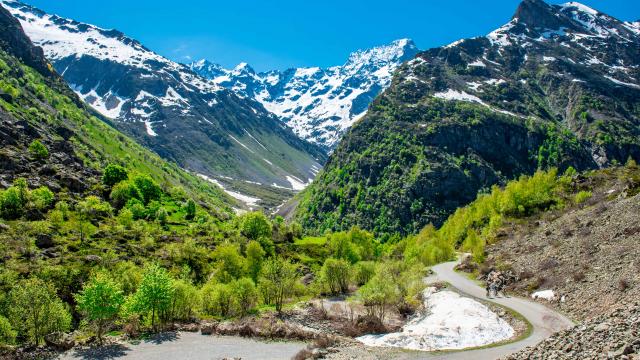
column 588, row 255
column 318, row 104
column 36, row 106
column 615, row 335
column 168, row 108
column 556, row 86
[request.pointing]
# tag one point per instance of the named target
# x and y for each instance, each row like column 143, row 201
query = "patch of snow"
column 251, row 202
column 548, row 295
column 449, row 322
column 635, row 86
column 457, row 95
column 477, row 63
column 296, row 184
column 548, row 59
column 150, row 132
column 241, row 144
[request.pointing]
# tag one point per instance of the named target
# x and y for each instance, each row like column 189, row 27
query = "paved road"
column 545, row 321
column 191, row 346
column 194, row 346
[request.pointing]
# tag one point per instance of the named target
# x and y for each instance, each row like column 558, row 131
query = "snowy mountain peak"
column 318, row 104
column 386, row 53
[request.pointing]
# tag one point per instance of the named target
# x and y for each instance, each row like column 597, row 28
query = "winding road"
column 545, row 321
column 194, row 346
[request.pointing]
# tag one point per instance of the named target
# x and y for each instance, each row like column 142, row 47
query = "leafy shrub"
column 336, row 273
column 38, row 150
column 230, row 265
column 582, row 196
column 42, row 198
column 124, row 191
column 114, row 174
column 190, row 209
column 277, row 282
column 149, row 189
column 245, row 294
column 363, row 271
column 7, row 334
column 154, row 294
column 185, row 302
column 218, row 299
column 36, row 310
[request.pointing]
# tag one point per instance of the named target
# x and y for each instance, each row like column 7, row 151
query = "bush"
column 36, row 310
column 190, row 209
column 7, row 334
column 582, row 196
column 255, row 257
column 42, row 198
column 363, row 272
column 148, row 188
column 336, row 273
column 230, row 265
column 11, row 204
column 123, row 192
column 277, row 282
column 114, row 174
column 38, row 150
column 245, row 294
column 186, row 301
column 218, row 299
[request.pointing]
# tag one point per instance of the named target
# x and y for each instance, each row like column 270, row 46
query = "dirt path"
column 191, row 346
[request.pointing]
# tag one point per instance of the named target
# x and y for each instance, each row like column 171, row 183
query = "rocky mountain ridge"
column 556, row 86
column 318, row 104
column 170, row 109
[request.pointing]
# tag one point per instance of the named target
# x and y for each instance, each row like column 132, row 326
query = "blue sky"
column 286, row 33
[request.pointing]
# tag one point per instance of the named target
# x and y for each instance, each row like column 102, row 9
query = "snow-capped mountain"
column 318, row 104
column 557, row 86
column 166, row 106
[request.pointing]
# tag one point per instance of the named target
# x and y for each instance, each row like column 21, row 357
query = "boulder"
column 59, row 341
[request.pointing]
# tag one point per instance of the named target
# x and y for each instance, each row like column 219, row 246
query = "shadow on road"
column 102, row 353
column 163, row 337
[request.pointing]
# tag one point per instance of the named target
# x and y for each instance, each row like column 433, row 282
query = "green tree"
column 341, row 247
column 114, row 174
column 38, row 150
column 154, row 293
column 7, row 334
column 36, row 310
column 218, row 299
column 377, row 296
column 277, row 281
column 185, row 301
column 363, row 271
column 255, row 257
column 336, row 273
column 100, row 300
column 230, row 264
column 149, row 189
column 245, row 294
column 123, row 192
column 190, row 209
column 255, row 225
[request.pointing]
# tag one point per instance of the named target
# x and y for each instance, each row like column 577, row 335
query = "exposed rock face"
column 556, row 86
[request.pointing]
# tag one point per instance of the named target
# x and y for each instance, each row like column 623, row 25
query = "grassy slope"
column 48, row 102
